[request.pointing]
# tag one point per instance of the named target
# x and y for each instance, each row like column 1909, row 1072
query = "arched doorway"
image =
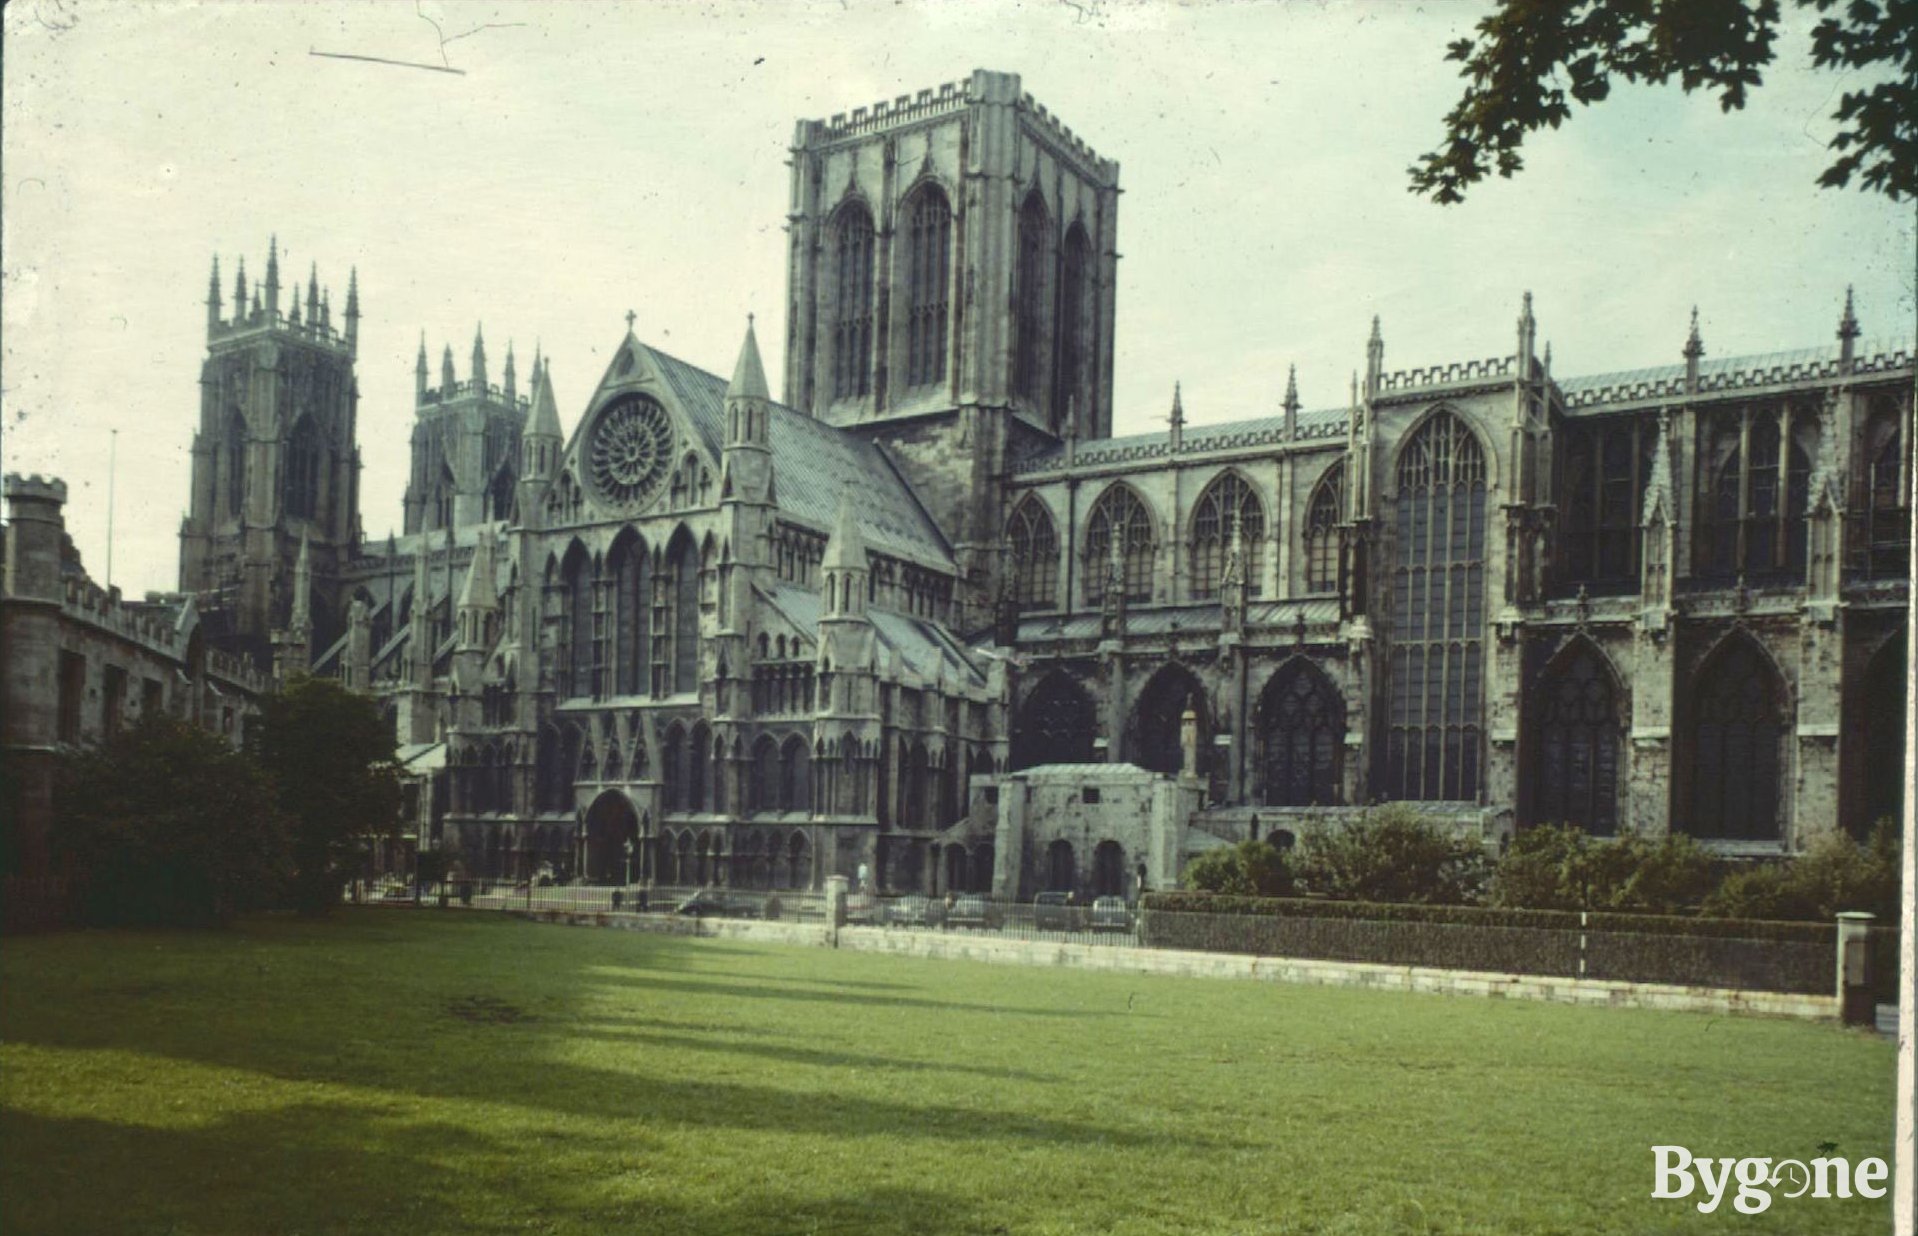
column 611, row 826
column 1108, row 869
column 1301, row 723
column 1737, row 746
column 1059, row 868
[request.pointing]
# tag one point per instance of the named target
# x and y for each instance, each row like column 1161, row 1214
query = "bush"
column 1249, row 869
column 1559, row 867
column 166, row 825
column 1834, row 873
column 1392, row 854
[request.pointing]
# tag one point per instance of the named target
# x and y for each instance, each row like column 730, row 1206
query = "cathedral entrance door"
column 612, row 836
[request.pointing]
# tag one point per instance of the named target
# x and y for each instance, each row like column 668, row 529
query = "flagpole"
column 113, row 459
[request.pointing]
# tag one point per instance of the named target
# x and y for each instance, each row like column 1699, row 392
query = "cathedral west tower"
column 275, row 461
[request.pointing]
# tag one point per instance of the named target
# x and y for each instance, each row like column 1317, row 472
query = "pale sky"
column 598, row 158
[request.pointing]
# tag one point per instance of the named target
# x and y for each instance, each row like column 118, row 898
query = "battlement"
column 1062, row 135
column 35, row 486
column 472, row 390
column 905, row 109
column 87, row 603
column 321, row 334
column 1452, row 374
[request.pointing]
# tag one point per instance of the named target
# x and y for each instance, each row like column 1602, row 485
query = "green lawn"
column 401, row 1071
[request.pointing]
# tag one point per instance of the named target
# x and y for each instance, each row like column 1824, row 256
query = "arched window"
column 682, row 655
column 1032, row 294
column 443, row 494
column 1156, row 738
column 1887, row 498
column 672, row 768
column 928, row 294
column 1056, row 725
column 303, row 470
column 1753, row 521
column 1226, row 500
column 1607, row 465
column 1301, row 722
column 1035, row 556
column 1322, row 519
column 1737, row 734
column 852, row 297
column 698, row 774
column 235, row 462
column 762, row 784
column 795, row 775
column 499, row 497
column 631, row 569
column 1883, row 785
column 720, row 775
column 918, row 806
column 1075, row 328
column 1119, row 514
column 1433, row 726
column 1577, row 731
column 576, row 625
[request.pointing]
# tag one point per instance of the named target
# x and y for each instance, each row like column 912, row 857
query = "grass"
column 399, row 1071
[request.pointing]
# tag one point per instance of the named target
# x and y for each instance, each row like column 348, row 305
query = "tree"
column 331, row 759
column 167, row 825
column 1531, row 59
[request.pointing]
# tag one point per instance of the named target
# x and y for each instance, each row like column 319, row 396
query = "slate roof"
column 922, row 645
column 813, row 464
column 1733, row 372
column 1164, row 619
column 1226, row 435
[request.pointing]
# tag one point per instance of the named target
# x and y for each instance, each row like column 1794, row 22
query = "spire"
column 512, row 377
column 213, row 295
column 749, row 376
column 479, row 591
column 326, row 308
column 239, row 290
column 419, row 371
column 1694, row 349
column 846, row 548
column 447, row 380
column 273, row 275
column 1177, row 418
column 544, row 423
column 313, row 293
column 256, row 300
column 294, row 317
column 479, row 359
column 1527, row 335
column 353, row 309
column 538, row 363
column 302, row 620
column 1374, row 358
column 1847, row 333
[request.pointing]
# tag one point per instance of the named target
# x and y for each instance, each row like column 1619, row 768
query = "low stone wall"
column 1123, row 960
column 809, row 935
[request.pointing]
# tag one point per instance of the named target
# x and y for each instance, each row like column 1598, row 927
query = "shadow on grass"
column 700, row 987
column 784, row 1054
column 325, row 1168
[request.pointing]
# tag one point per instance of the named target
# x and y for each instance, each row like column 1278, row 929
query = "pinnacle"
column 749, row 375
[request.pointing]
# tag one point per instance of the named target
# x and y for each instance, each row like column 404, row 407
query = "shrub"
column 1392, row 854
column 1559, row 867
column 1249, row 869
column 1834, row 873
column 166, row 825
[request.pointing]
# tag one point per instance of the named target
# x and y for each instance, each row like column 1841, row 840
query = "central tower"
column 950, row 290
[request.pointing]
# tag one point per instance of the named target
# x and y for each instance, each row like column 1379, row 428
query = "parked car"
column 717, row 903
column 911, row 910
column 1053, row 912
column 1110, row 914
column 862, row 908
column 971, row 910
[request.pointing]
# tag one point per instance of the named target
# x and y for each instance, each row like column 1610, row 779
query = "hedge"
column 1646, row 948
